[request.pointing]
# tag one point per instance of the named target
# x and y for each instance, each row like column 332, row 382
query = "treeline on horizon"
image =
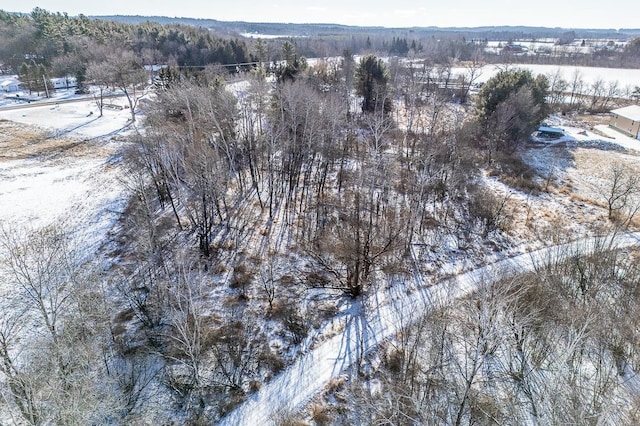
column 52, row 39
column 310, row 29
column 64, row 44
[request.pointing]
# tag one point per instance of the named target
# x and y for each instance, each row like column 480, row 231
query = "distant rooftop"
column 631, row 112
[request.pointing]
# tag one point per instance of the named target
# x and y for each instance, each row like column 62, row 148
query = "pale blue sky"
column 389, row 13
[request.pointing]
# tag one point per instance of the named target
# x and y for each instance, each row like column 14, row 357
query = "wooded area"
column 260, row 208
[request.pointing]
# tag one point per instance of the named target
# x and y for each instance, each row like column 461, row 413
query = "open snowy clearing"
column 574, row 174
column 58, row 166
column 626, row 78
column 78, row 119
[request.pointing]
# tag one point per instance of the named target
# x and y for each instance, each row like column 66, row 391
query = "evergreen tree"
column 509, row 108
column 288, row 52
column 262, row 51
column 399, row 47
column 167, row 78
column 506, row 83
column 371, row 83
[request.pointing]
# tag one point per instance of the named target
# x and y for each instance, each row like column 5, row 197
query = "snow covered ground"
column 606, row 137
column 66, row 168
column 626, row 78
column 76, row 119
column 380, row 317
column 58, row 165
column 577, row 163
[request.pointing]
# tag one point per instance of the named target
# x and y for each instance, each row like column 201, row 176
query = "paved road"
column 39, row 103
column 371, row 322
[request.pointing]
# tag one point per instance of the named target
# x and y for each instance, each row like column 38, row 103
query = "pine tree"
column 371, row 84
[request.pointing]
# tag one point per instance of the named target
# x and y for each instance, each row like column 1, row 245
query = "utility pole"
column 46, row 88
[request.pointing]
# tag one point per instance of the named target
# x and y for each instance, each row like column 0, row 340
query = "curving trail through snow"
column 373, row 320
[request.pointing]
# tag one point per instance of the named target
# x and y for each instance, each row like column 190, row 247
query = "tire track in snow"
column 372, row 321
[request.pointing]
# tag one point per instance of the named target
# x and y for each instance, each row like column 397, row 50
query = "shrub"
column 513, row 171
column 320, row 414
column 488, row 210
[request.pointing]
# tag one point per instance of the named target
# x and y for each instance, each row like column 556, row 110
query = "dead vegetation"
column 22, row 141
column 554, row 345
column 237, row 250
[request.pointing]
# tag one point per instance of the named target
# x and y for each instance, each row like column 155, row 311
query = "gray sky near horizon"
column 389, row 13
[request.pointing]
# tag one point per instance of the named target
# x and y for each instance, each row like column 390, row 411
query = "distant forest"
column 64, row 45
column 61, row 42
column 309, row 30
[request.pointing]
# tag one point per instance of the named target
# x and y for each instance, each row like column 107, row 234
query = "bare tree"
column 53, row 334
column 19, row 390
column 348, row 66
column 192, row 155
column 597, row 91
column 613, row 92
column 43, row 268
column 188, row 338
column 472, row 72
column 557, row 88
column 576, row 85
column 619, row 192
column 119, row 69
column 268, row 281
column 363, row 230
column 98, row 76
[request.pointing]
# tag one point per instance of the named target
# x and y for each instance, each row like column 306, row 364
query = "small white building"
column 627, row 120
column 64, row 82
column 10, row 85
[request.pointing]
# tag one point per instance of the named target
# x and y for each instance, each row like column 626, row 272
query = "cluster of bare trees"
column 242, row 196
column 113, row 68
column 246, row 196
column 208, row 359
column 343, row 186
column 551, row 347
column 250, row 174
column 56, row 359
column 576, row 94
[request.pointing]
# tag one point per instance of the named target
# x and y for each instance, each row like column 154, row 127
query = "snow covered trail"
column 374, row 320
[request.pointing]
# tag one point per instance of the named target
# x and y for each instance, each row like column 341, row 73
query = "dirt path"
column 382, row 316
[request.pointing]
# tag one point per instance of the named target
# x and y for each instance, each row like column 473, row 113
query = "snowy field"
column 58, row 166
column 626, row 78
column 549, row 46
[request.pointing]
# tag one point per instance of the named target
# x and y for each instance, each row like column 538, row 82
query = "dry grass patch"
column 320, row 414
column 20, row 141
column 580, row 198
